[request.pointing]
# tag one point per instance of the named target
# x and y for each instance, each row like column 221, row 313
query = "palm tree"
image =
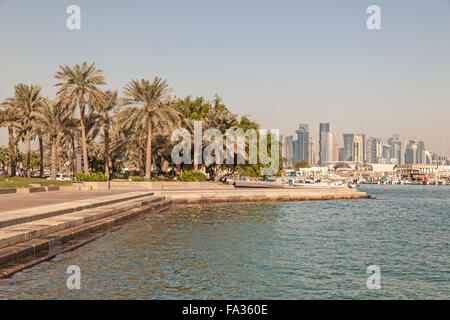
column 57, row 122
column 27, row 99
column 79, row 84
column 131, row 123
column 148, row 97
column 104, row 107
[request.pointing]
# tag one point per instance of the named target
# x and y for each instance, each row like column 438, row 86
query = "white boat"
column 319, row 185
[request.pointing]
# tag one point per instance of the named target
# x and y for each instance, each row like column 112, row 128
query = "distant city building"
column 363, row 137
column 336, row 151
column 348, row 146
column 421, row 152
column 428, row 159
column 373, row 150
column 289, row 149
column 341, row 154
column 312, row 152
column 387, row 153
column 330, row 147
column 396, row 145
column 302, row 148
column 411, row 152
column 357, row 149
column 295, row 151
column 324, row 128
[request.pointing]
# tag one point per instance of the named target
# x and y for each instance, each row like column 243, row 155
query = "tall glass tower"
column 348, row 146
column 302, row 142
column 323, row 133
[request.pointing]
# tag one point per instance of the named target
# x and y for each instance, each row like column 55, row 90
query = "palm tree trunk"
column 83, row 137
column 148, row 160
column 141, row 161
column 69, row 158
column 12, row 152
column 41, row 156
column 28, row 147
column 107, row 158
column 53, row 160
column 58, row 154
column 74, row 164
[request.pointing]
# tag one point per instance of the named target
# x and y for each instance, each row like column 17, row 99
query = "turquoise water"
column 296, row 250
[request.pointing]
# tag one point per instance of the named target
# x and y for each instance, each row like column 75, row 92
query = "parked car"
column 62, row 177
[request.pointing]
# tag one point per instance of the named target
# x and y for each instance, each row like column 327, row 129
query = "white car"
column 61, row 177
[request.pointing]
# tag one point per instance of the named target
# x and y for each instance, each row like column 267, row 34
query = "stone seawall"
column 265, row 194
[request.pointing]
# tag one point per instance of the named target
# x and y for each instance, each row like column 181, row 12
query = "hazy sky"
column 281, row 62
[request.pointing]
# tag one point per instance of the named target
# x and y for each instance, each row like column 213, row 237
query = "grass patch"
column 20, row 182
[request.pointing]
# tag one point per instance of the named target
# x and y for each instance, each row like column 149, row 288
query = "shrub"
column 139, row 178
column 192, row 176
column 82, row 176
column 100, row 176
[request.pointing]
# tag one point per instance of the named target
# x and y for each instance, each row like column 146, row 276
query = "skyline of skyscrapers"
column 355, row 149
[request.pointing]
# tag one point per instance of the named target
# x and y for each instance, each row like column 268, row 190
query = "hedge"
column 192, row 176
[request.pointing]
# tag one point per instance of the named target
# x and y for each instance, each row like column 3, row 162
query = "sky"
column 280, row 62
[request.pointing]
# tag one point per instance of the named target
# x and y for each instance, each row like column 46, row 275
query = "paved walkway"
column 16, row 201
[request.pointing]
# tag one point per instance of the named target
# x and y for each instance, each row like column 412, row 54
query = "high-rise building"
column 395, row 143
column 363, row 137
column 371, row 150
column 348, row 146
column 289, row 149
column 411, row 152
column 387, row 153
column 421, row 152
column 312, row 152
column 330, row 147
column 336, row 151
column 341, row 154
column 428, row 159
column 357, row 149
column 374, row 150
column 295, row 151
column 302, row 149
column 323, row 132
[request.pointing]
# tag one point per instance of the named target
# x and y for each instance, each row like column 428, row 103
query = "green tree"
column 9, row 118
column 57, row 121
column 301, row 164
column 104, row 107
column 78, row 85
column 27, row 99
column 147, row 96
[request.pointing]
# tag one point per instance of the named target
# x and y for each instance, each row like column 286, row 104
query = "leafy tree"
column 27, row 99
column 78, row 85
column 147, row 96
column 301, row 164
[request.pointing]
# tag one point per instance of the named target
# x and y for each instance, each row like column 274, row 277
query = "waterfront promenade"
column 35, row 227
